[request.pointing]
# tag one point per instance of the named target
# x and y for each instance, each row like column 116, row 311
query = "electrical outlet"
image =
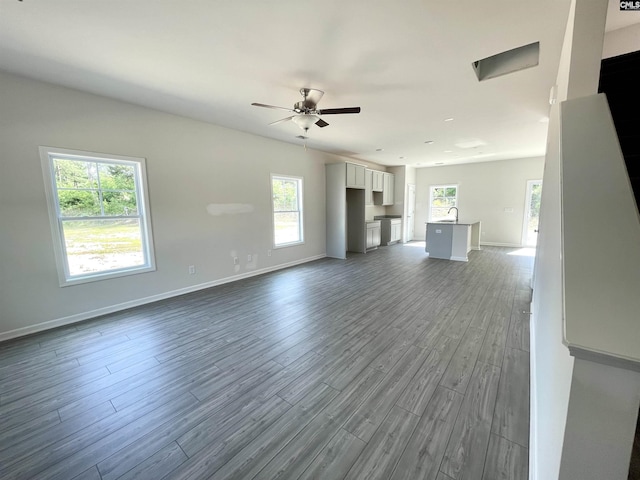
column 192, row 269
column 268, row 253
column 249, row 258
column 236, row 261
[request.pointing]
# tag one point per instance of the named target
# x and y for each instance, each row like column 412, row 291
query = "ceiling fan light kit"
column 306, row 113
column 305, row 121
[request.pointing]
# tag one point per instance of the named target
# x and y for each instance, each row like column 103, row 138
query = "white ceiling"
column 407, row 64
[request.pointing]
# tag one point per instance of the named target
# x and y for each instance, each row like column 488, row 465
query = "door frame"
column 410, row 187
column 527, row 211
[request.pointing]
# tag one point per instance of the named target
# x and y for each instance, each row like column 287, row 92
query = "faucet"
column 456, row 208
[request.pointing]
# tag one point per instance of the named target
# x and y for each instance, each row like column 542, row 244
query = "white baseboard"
column 533, row 406
column 459, row 259
column 498, row 244
column 79, row 317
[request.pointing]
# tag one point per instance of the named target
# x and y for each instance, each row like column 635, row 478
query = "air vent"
column 507, row 62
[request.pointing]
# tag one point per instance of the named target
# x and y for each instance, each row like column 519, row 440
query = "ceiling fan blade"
column 336, row 111
column 272, row 106
column 282, row 120
column 321, row 123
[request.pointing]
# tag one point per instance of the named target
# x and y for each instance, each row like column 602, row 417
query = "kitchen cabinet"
column 368, row 189
column 386, row 196
column 355, row 176
column 346, row 228
column 391, row 230
column 388, row 189
column 396, row 231
column 373, row 235
column 378, row 181
column 336, row 206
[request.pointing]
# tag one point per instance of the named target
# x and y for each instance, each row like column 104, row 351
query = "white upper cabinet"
column 385, row 196
column 388, row 189
column 368, row 191
column 378, row 181
column 355, row 176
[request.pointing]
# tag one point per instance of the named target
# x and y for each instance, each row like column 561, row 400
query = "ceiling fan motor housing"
column 304, row 105
column 310, row 99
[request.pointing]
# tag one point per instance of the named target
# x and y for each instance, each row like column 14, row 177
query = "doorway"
column 411, row 212
column 532, row 213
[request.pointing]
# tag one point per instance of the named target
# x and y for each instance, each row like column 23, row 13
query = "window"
column 287, row 210
column 98, row 212
column 441, row 199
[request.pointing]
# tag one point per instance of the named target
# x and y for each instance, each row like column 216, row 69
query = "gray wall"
column 485, row 190
column 190, row 165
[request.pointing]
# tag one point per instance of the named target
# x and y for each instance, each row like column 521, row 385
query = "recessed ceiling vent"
column 507, row 62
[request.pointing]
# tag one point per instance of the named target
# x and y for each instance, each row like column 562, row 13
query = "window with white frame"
column 441, row 199
column 98, row 206
column 286, row 194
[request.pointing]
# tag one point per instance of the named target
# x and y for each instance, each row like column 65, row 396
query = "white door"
column 532, row 213
column 411, row 211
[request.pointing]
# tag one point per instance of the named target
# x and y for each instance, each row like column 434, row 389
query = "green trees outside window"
column 287, row 210
column 100, row 222
column 442, row 198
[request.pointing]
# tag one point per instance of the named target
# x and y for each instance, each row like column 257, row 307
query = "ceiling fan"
column 307, row 112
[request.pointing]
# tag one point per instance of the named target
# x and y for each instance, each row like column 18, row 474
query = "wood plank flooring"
column 388, row 365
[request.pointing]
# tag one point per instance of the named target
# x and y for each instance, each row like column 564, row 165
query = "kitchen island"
column 452, row 240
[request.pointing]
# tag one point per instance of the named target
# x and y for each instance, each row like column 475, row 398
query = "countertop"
column 459, row 222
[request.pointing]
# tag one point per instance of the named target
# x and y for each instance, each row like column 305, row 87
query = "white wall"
column 621, row 41
column 551, row 364
column 371, row 211
column 190, row 165
column 410, row 175
column 485, row 190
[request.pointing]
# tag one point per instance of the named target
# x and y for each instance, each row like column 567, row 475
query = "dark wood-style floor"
column 387, row 365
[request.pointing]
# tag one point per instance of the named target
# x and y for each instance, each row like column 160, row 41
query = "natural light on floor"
column 414, row 244
column 524, row 252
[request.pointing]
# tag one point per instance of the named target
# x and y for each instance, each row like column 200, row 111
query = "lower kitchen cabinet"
column 373, row 234
column 391, row 231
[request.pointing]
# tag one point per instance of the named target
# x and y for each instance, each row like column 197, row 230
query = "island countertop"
column 459, row 222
